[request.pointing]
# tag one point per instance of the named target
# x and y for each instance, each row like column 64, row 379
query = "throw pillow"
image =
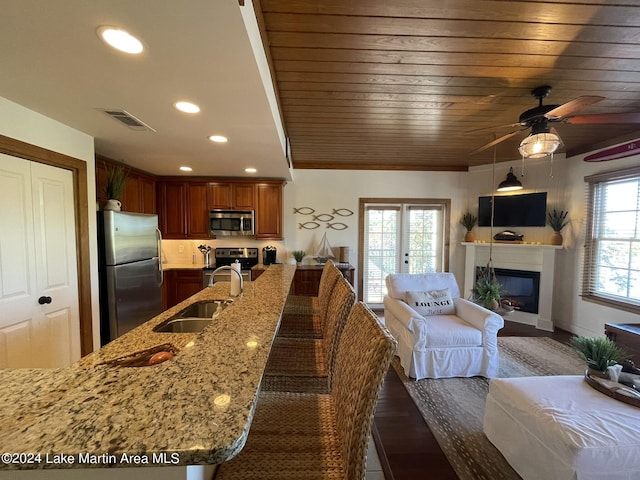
column 435, row 302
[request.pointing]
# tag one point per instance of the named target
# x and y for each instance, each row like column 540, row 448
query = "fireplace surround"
column 539, row 259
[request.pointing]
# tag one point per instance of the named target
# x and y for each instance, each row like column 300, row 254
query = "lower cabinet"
column 180, row 285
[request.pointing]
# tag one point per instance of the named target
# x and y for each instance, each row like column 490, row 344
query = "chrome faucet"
column 227, row 267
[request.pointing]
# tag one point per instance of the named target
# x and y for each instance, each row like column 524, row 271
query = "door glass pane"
column 381, row 240
column 402, row 238
column 424, row 239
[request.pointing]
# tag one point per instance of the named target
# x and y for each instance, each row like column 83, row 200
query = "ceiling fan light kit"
column 538, row 145
column 543, row 139
column 511, row 183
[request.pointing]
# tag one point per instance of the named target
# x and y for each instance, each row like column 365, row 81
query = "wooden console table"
column 307, row 278
column 627, row 336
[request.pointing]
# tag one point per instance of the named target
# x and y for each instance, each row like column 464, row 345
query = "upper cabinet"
column 139, row 195
column 232, row 196
column 183, row 203
column 183, row 211
column 268, row 214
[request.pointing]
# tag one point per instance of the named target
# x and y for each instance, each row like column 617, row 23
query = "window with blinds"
column 612, row 248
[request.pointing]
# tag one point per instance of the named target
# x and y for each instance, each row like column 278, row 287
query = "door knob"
column 43, row 300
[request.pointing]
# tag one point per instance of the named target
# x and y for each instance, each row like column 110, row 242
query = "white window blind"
column 381, row 243
column 612, row 248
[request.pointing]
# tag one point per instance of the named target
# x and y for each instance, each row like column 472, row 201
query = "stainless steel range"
column 248, row 257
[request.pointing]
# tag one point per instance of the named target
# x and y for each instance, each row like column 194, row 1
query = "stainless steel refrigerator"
column 130, row 247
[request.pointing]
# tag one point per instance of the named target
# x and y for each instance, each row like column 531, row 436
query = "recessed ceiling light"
column 186, row 169
column 120, row 39
column 250, row 170
column 187, row 107
column 218, row 138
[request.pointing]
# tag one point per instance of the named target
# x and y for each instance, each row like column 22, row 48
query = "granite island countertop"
column 193, row 409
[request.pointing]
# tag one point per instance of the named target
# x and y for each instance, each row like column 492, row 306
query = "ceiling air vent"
column 128, row 119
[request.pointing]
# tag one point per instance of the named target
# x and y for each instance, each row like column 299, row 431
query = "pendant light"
column 510, row 183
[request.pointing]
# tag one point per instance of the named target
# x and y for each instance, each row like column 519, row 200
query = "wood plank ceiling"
column 396, row 84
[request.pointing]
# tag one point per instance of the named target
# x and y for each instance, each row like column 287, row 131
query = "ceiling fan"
column 543, row 138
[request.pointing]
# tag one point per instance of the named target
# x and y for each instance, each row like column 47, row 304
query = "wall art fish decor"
column 304, row 210
column 308, row 225
column 337, row 226
column 343, row 212
column 323, row 217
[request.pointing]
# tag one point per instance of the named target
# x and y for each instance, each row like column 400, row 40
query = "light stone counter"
column 193, row 409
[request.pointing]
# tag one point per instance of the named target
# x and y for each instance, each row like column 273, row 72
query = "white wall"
column 28, row 126
column 575, row 314
column 564, row 181
column 326, row 190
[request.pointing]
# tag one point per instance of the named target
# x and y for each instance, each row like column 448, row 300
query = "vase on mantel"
column 556, row 238
column 469, row 236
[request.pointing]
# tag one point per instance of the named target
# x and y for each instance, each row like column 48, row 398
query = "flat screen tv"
column 526, row 210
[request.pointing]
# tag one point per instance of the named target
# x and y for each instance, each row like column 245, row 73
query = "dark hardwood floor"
column 406, row 447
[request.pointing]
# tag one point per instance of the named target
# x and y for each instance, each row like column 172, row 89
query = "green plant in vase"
column 487, row 291
column 557, row 220
column 468, row 221
column 299, row 255
column 117, row 178
column 598, row 353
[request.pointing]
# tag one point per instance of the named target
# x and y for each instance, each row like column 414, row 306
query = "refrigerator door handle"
column 159, row 237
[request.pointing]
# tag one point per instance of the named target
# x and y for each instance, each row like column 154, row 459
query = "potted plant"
column 299, row 255
column 598, row 353
column 487, row 290
column 557, row 220
column 117, row 178
column 469, row 221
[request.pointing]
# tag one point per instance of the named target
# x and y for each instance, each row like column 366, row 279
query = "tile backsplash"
column 185, row 251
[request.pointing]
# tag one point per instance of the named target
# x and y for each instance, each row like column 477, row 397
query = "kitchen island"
column 195, row 409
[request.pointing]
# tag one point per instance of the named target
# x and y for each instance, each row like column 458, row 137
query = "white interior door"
column 39, row 322
column 400, row 238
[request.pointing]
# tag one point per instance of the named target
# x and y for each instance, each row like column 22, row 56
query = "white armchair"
column 460, row 343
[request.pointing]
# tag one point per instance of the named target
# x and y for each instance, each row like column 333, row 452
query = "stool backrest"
column 328, row 279
column 364, row 353
column 342, row 300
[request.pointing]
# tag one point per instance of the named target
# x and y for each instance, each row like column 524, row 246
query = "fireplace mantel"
column 519, row 256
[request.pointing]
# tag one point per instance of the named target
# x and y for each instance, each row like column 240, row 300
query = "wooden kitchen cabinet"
column 179, row 285
column 231, row 196
column 306, row 280
column 268, row 216
column 197, row 212
column 140, row 192
column 183, row 209
column 172, row 209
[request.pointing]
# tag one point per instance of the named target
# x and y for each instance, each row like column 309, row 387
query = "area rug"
column 454, row 407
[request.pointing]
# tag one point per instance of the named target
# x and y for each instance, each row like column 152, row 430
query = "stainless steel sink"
column 193, row 318
column 183, row 325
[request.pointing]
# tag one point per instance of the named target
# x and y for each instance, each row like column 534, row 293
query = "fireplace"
column 529, row 270
column 521, row 288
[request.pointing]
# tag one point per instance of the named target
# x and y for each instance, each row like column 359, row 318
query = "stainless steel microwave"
column 226, row 223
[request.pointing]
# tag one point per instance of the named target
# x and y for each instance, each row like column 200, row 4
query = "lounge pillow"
column 435, row 302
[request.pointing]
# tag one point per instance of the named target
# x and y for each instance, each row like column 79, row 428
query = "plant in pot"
column 117, row 178
column 557, row 220
column 299, row 255
column 486, row 290
column 469, row 221
column 598, row 353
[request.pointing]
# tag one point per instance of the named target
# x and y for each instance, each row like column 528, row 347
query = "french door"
column 401, row 237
